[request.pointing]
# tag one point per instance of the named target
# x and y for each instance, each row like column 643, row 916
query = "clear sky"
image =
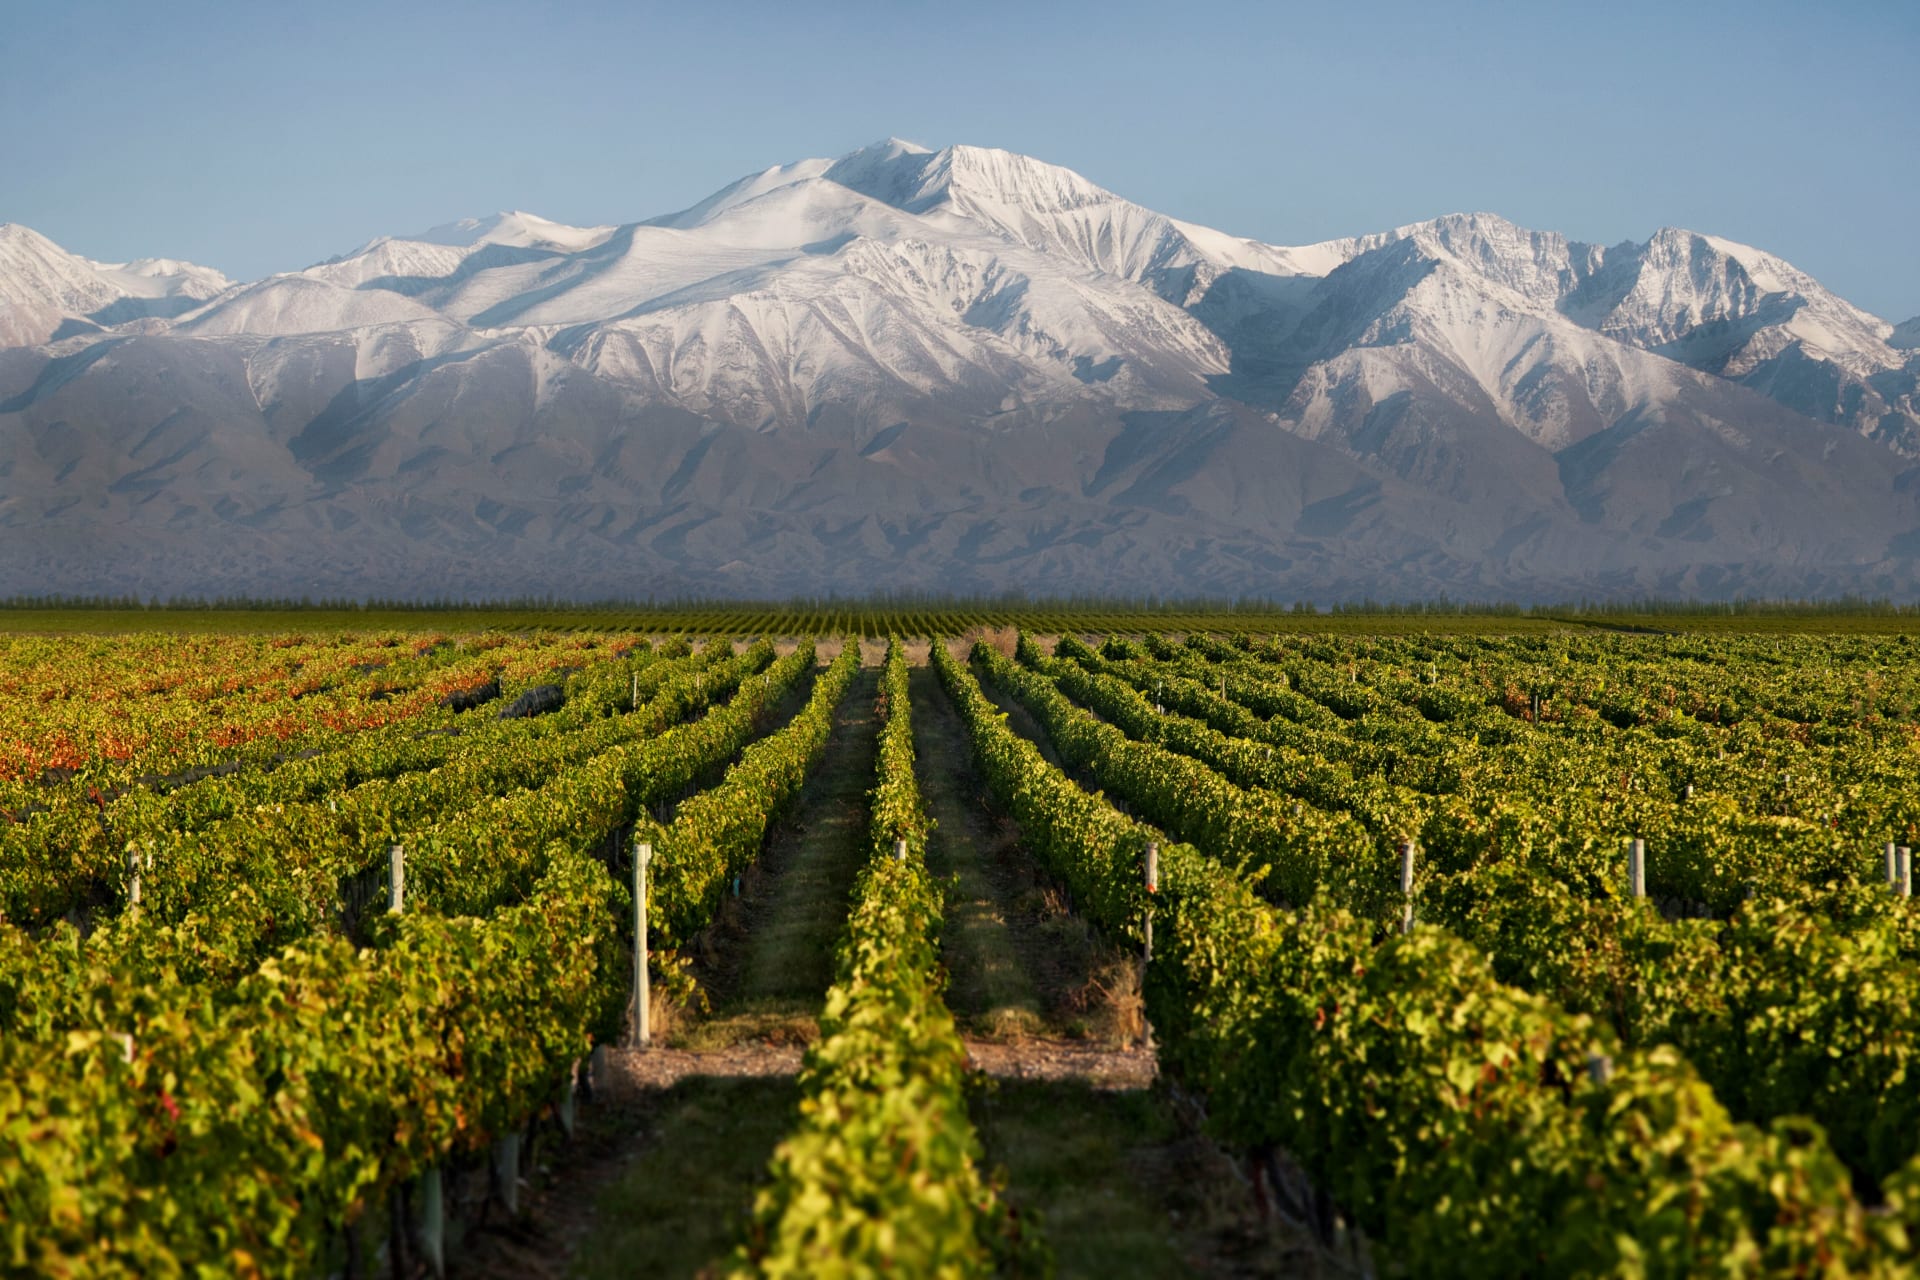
column 263, row 137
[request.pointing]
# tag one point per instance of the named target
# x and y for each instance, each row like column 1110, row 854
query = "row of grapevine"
column 1800, row 1006
column 298, row 852
column 71, row 853
column 1714, row 729
column 1295, row 853
column 1500, row 791
column 1759, row 1006
column 881, row 1176
column 482, row 856
column 187, row 1125
column 234, row 1136
column 715, row 834
column 1470, row 1128
column 150, row 709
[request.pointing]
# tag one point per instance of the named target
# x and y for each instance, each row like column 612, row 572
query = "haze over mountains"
column 960, row 370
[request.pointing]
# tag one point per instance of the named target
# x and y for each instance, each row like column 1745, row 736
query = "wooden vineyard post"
column 1893, row 868
column 899, row 850
column 133, row 885
column 1637, row 867
column 396, row 879
column 633, row 703
column 1406, row 886
column 1906, row 871
column 642, row 996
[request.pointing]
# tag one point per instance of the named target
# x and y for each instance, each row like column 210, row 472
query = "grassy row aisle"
column 670, row 1164
column 881, row 1174
column 1011, row 965
column 663, row 1176
column 1122, row 1185
column 1376, row 1063
column 768, row 962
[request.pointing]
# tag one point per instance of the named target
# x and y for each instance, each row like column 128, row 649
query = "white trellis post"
column 396, row 878
column 1153, row 887
column 1637, row 867
column 642, row 995
column 1406, row 886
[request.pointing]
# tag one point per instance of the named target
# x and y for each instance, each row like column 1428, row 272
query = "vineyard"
column 1086, row 950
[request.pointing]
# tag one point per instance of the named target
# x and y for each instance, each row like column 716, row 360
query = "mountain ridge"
column 963, row 365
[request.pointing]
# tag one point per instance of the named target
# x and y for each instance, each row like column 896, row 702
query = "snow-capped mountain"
column 964, row 367
column 47, row 293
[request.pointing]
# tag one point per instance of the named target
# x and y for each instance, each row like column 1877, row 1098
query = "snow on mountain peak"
column 889, row 148
column 163, row 278
column 16, row 232
column 739, row 192
column 1058, row 268
column 963, row 177
column 47, row 291
column 516, row 229
column 1540, row 266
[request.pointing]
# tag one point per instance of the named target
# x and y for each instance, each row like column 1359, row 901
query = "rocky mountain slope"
column 960, row 369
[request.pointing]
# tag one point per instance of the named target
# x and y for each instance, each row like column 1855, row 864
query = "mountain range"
column 959, row 370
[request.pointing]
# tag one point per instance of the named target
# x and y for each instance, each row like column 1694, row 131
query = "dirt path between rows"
column 768, row 960
column 661, row 1173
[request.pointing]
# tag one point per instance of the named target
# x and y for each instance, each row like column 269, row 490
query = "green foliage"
column 881, row 1176
column 304, row 822
column 231, row 1136
column 284, row 879
column 1793, row 1009
column 1472, row 1128
column 1544, row 1077
column 264, row 1101
column 1294, row 852
column 715, row 834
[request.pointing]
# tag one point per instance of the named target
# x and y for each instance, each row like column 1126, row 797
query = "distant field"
column 873, row 621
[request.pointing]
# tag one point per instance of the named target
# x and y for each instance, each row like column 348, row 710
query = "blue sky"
column 260, row 137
